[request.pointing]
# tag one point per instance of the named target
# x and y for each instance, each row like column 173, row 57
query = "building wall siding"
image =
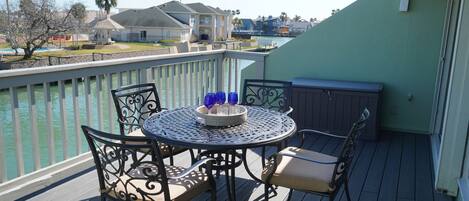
column 370, row 40
column 153, row 34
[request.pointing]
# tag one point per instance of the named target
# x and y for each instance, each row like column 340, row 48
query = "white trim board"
column 453, row 143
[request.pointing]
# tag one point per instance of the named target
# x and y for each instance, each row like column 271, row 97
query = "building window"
column 205, row 20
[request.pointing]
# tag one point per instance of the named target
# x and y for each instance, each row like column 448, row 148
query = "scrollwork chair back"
column 119, row 173
column 270, row 94
column 348, row 150
column 134, row 104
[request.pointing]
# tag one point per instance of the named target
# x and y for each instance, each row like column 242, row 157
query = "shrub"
column 168, row 41
column 248, row 40
column 74, row 47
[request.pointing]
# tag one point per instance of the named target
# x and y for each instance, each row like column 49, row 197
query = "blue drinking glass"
column 209, row 100
column 221, row 97
column 233, row 98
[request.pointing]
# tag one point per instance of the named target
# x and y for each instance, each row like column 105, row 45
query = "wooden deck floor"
column 398, row 167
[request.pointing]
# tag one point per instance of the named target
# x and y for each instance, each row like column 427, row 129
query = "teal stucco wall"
column 370, row 40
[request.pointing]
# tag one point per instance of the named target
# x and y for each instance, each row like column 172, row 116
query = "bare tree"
column 9, row 32
column 35, row 21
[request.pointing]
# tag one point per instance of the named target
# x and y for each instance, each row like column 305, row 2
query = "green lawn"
column 115, row 48
column 4, row 45
column 250, row 47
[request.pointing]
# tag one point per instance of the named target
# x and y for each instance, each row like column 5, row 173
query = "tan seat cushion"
column 181, row 189
column 300, row 174
column 165, row 149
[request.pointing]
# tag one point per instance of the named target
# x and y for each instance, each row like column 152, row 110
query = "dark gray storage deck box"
column 332, row 106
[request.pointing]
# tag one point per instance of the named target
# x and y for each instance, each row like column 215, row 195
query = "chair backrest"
column 134, row 104
column 348, row 150
column 122, row 165
column 270, row 94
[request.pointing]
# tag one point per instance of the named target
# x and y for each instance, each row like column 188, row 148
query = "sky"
column 307, row 9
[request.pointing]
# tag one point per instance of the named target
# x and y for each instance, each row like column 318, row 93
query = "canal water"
column 58, row 134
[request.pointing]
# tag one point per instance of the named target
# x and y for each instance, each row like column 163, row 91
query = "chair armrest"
column 290, row 110
column 308, row 159
column 321, row 133
column 193, row 167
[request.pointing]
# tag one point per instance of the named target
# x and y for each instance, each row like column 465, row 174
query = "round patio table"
column 179, row 127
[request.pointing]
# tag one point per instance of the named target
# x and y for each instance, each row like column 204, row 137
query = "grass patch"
column 248, row 40
column 116, row 48
column 4, row 45
column 168, row 41
column 250, row 47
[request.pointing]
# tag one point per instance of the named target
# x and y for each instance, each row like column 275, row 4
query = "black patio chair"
column 136, row 103
column 314, row 172
column 144, row 177
column 270, row 94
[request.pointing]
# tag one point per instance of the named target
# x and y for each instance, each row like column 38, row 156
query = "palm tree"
column 334, row 11
column 106, row 5
column 283, row 16
column 297, row 18
column 235, row 12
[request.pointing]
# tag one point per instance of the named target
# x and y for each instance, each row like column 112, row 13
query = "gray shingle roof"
column 107, row 24
column 150, row 17
column 176, row 7
column 219, row 11
column 201, row 8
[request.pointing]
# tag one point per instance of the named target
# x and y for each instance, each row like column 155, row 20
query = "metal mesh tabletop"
column 180, row 127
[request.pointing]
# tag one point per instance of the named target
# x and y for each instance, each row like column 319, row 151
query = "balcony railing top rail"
column 41, row 109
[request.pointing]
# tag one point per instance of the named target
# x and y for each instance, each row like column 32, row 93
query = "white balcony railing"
column 41, row 109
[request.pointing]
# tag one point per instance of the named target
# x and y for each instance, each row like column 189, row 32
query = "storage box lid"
column 337, row 85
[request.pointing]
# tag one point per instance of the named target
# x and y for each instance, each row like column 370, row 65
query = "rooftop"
column 149, row 17
column 176, row 7
column 201, row 8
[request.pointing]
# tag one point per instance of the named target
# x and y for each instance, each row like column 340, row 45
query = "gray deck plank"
column 388, row 189
column 406, row 187
column 377, row 173
column 358, row 175
column 423, row 180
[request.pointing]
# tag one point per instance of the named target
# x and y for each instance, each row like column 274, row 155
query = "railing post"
column 33, row 125
column 63, row 118
column 220, row 73
column 15, row 116
column 49, row 126
column 3, row 172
